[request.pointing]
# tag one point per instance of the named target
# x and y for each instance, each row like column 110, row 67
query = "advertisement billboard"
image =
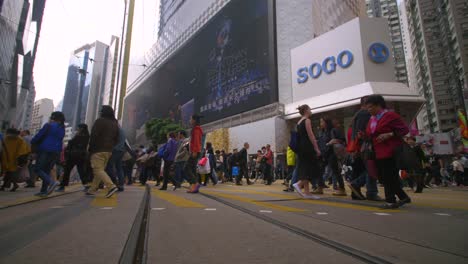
column 226, row 69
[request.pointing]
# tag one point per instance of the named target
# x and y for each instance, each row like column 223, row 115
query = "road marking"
column 381, row 214
column 316, row 202
column 158, row 209
column 255, row 202
column 100, row 200
column 107, row 208
column 443, row 214
column 266, row 211
column 210, row 209
column 321, row 213
column 57, row 207
column 177, row 200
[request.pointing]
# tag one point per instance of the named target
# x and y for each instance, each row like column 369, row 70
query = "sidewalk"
column 26, row 195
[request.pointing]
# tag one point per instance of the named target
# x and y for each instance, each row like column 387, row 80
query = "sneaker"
column 111, row 192
column 60, row 189
column 388, row 206
column 319, row 190
column 298, row 189
column 52, row 187
column 404, row 201
column 375, row 198
column 340, row 192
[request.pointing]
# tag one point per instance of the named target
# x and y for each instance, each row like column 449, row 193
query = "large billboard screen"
column 226, row 69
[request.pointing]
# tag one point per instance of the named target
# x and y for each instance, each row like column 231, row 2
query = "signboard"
column 441, row 143
column 356, row 52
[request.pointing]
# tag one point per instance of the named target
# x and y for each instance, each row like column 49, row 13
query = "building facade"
column 389, row 10
column 438, row 44
column 272, row 28
column 41, row 114
column 111, row 72
column 20, row 25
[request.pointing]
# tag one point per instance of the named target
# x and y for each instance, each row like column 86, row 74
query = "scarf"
column 375, row 119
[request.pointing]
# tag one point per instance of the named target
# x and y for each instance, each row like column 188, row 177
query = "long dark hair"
column 107, row 112
column 83, row 130
column 328, row 124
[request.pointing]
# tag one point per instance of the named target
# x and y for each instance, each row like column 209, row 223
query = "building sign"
column 353, row 53
column 328, row 66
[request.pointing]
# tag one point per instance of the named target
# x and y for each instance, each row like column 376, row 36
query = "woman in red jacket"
column 386, row 130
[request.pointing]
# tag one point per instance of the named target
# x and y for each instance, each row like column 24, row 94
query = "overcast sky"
column 67, row 25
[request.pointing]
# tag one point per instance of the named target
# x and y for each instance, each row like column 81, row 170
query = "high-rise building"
column 20, row 25
column 111, row 71
column 439, row 43
column 411, row 71
column 389, row 10
column 85, row 84
column 188, row 28
column 26, row 117
column 97, row 79
column 41, row 114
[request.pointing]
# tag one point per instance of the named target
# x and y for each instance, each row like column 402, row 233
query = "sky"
column 67, row 25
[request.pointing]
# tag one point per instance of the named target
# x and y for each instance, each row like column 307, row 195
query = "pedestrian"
column 327, row 160
column 195, row 150
column 181, row 158
column 212, row 159
column 48, row 145
column 76, row 154
column 291, row 163
column 242, row 163
column 458, row 170
column 308, row 152
column 14, row 157
column 220, row 165
column 417, row 174
column 104, row 136
column 170, row 152
column 268, row 176
column 128, row 162
column 114, row 167
column 31, row 182
column 385, row 130
column 362, row 177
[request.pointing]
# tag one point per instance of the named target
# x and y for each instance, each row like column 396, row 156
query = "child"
column 14, row 155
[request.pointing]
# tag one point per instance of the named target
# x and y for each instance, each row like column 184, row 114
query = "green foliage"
column 157, row 129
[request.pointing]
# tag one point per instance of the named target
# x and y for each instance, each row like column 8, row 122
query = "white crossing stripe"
column 210, row 209
column 158, row 209
column 382, row 214
column 266, row 211
column 443, row 214
column 321, row 213
column 107, row 208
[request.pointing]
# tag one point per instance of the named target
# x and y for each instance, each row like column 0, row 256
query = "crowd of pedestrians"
column 376, row 150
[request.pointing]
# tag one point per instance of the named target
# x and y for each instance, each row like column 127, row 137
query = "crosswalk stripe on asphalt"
column 176, row 200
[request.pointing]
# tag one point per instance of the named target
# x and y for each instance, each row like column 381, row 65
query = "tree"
column 157, row 129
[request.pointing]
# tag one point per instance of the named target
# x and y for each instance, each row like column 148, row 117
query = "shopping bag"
column 235, row 171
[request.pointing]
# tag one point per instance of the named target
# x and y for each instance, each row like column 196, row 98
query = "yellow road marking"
column 316, row 202
column 252, row 201
column 177, row 200
column 101, row 201
column 35, row 198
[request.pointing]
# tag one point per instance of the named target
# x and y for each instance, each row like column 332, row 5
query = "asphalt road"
column 232, row 224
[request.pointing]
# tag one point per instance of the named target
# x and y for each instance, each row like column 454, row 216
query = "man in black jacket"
column 241, row 160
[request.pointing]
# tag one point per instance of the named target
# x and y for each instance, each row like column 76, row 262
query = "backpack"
column 293, row 141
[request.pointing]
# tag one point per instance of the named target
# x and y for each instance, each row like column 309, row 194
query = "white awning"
column 351, row 96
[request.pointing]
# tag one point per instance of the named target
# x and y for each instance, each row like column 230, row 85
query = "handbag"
column 367, row 150
column 203, row 166
column 353, row 146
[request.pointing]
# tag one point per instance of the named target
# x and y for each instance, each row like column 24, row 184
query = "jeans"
column 98, row 164
column 180, row 175
column 295, row 175
column 114, row 166
column 365, row 179
column 128, row 170
column 44, row 164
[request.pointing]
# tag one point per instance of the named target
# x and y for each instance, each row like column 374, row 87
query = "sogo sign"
column 328, row 66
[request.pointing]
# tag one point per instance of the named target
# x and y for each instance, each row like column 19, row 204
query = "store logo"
column 378, row 52
column 328, row 66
